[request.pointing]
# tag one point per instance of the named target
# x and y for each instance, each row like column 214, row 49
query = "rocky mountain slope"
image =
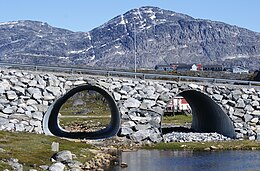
column 160, row 35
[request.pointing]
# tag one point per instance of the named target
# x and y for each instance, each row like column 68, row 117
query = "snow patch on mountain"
column 8, row 23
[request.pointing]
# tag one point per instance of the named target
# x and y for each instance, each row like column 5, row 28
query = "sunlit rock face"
column 159, row 35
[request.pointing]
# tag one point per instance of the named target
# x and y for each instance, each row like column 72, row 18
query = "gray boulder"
column 126, row 131
column 131, row 102
column 140, row 135
column 236, row 94
column 142, row 126
column 248, row 117
column 255, row 103
column 147, row 104
column 3, row 121
column 128, row 124
column 11, row 95
column 149, row 90
column 249, row 108
column 155, row 137
column 5, row 85
column 19, row 90
column 117, row 96
column 75, row 165
column 217, row 97
column 240, row 103
column 13, row 162
column 8, row 110
column 54, row 90
column 63, row 156
column 57, row 167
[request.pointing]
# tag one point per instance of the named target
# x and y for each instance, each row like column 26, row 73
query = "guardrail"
column 129, row 74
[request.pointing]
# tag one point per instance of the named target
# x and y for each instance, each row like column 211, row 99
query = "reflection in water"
column 85, row 111
column 155, row 160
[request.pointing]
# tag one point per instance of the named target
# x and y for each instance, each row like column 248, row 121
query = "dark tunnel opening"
column 207, row 116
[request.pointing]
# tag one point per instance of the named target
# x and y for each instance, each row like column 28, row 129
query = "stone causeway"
column 26, row 95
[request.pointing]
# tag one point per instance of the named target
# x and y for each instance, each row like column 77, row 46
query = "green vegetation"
column 34, row 150
column 86, row 103
column 199, row 146
column 84, row 124
column 177, row 119
column 4, row 166
column 85, row 111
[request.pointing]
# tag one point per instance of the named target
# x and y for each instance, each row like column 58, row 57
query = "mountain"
column 160, row 36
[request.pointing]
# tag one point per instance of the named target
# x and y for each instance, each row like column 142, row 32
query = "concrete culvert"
column 51, row 124
column 207, row 116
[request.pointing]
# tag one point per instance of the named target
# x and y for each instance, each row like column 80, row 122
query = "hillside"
column 161, row 35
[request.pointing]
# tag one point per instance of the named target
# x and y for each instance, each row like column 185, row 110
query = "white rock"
column 217, row 97
column 193, row 86
column 126, row 131
column 255, row 103
column 11, row 95
column 131, row 102
column 251, row 138
column 256, row 113
column 37, row 115
column 48, row 97
column 54, row 90
column 57, row 167
column 14, row 121
column 79, row 83
column 2, row 115
column 5, row 85
column 20, row 110
column 158, row 109
column 240, row 103
column 63, row 156
column 128, row 124
column 19, row 127
column 68, row 83
column 147, row 104
column 3, row 121
column 8, row 110
column 248, row 117
column 149, row 90
column 35, row 123
column 31, row 102
column 255, row 120
column 142, row 126
column 19, row 89
column 117, row 96
column 249, row 108
column 32, row 83
column 140, row 135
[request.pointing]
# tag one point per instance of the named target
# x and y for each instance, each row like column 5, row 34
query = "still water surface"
column 159, row 160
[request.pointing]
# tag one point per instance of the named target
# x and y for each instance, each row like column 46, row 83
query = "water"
column 159, row 160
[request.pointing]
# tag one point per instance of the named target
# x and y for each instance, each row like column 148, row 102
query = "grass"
column 34, row 149
column 86, row 110
column 93, row 123
column 200, row 146
column 93, row 108
column 4, row 166
column 177, row 119
column 86, row 103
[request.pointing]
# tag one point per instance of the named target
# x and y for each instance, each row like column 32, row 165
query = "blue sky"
column 84, row 15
